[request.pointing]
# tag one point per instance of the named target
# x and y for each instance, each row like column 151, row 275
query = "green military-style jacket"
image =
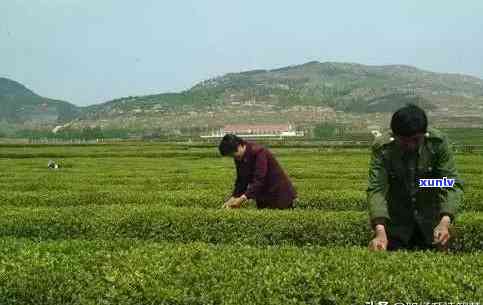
column 394, row 195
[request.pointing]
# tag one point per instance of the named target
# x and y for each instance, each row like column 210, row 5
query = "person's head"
column 408, row 125
column 232, row 146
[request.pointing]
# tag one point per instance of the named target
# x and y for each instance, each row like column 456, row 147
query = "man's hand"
column 234, row 203
column 379, row 242
column 229, row 203
column 441, row 232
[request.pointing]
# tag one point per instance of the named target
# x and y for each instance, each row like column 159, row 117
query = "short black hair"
column 409, row 120
column 229, row 144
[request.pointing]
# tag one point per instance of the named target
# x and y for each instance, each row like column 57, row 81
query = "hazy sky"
column 87, row 51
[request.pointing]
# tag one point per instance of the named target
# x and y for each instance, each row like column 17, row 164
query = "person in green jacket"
column 404, row 210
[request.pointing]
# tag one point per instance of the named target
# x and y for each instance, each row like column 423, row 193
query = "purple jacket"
column 260, row 177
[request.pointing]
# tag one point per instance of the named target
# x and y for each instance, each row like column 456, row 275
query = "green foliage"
column 137, row 272
column 325, row 130
column 389, row 103
column 141, row 223
column 211, row 226
column 19, row 104
column 470, row 136
column 86, row 133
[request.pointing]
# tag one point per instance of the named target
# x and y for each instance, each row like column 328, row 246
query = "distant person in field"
column 258, row 176
column 403, row 213
column 53, row 165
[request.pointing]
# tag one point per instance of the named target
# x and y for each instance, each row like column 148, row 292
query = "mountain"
column 19, row 105
column 347, row 93
column 348, row 87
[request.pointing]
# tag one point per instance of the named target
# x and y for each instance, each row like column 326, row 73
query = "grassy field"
column 142, row 224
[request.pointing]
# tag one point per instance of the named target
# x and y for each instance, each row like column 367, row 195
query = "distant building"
column 59, row 128
column 56, row 128
column 257, row 130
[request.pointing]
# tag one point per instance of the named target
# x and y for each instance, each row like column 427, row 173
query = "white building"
column 256, row 131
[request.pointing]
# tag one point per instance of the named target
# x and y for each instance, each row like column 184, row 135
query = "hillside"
column 19, row 105
column 305, row 95
column 342, row 86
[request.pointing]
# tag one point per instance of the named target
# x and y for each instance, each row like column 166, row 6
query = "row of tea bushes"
column 329, row 200
column 137, row 272
column 268, row 227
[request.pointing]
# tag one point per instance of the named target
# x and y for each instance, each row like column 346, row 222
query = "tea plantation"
column 142, row 224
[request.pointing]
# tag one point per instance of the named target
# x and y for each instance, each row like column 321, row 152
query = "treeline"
column 89, row 134
column 339, row 132
column 86, row 133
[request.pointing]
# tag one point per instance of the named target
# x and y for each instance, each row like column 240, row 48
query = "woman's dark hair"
column 409, row 121
column 229, row 144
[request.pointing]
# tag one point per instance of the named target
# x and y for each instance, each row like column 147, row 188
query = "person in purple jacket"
column 258, row 176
